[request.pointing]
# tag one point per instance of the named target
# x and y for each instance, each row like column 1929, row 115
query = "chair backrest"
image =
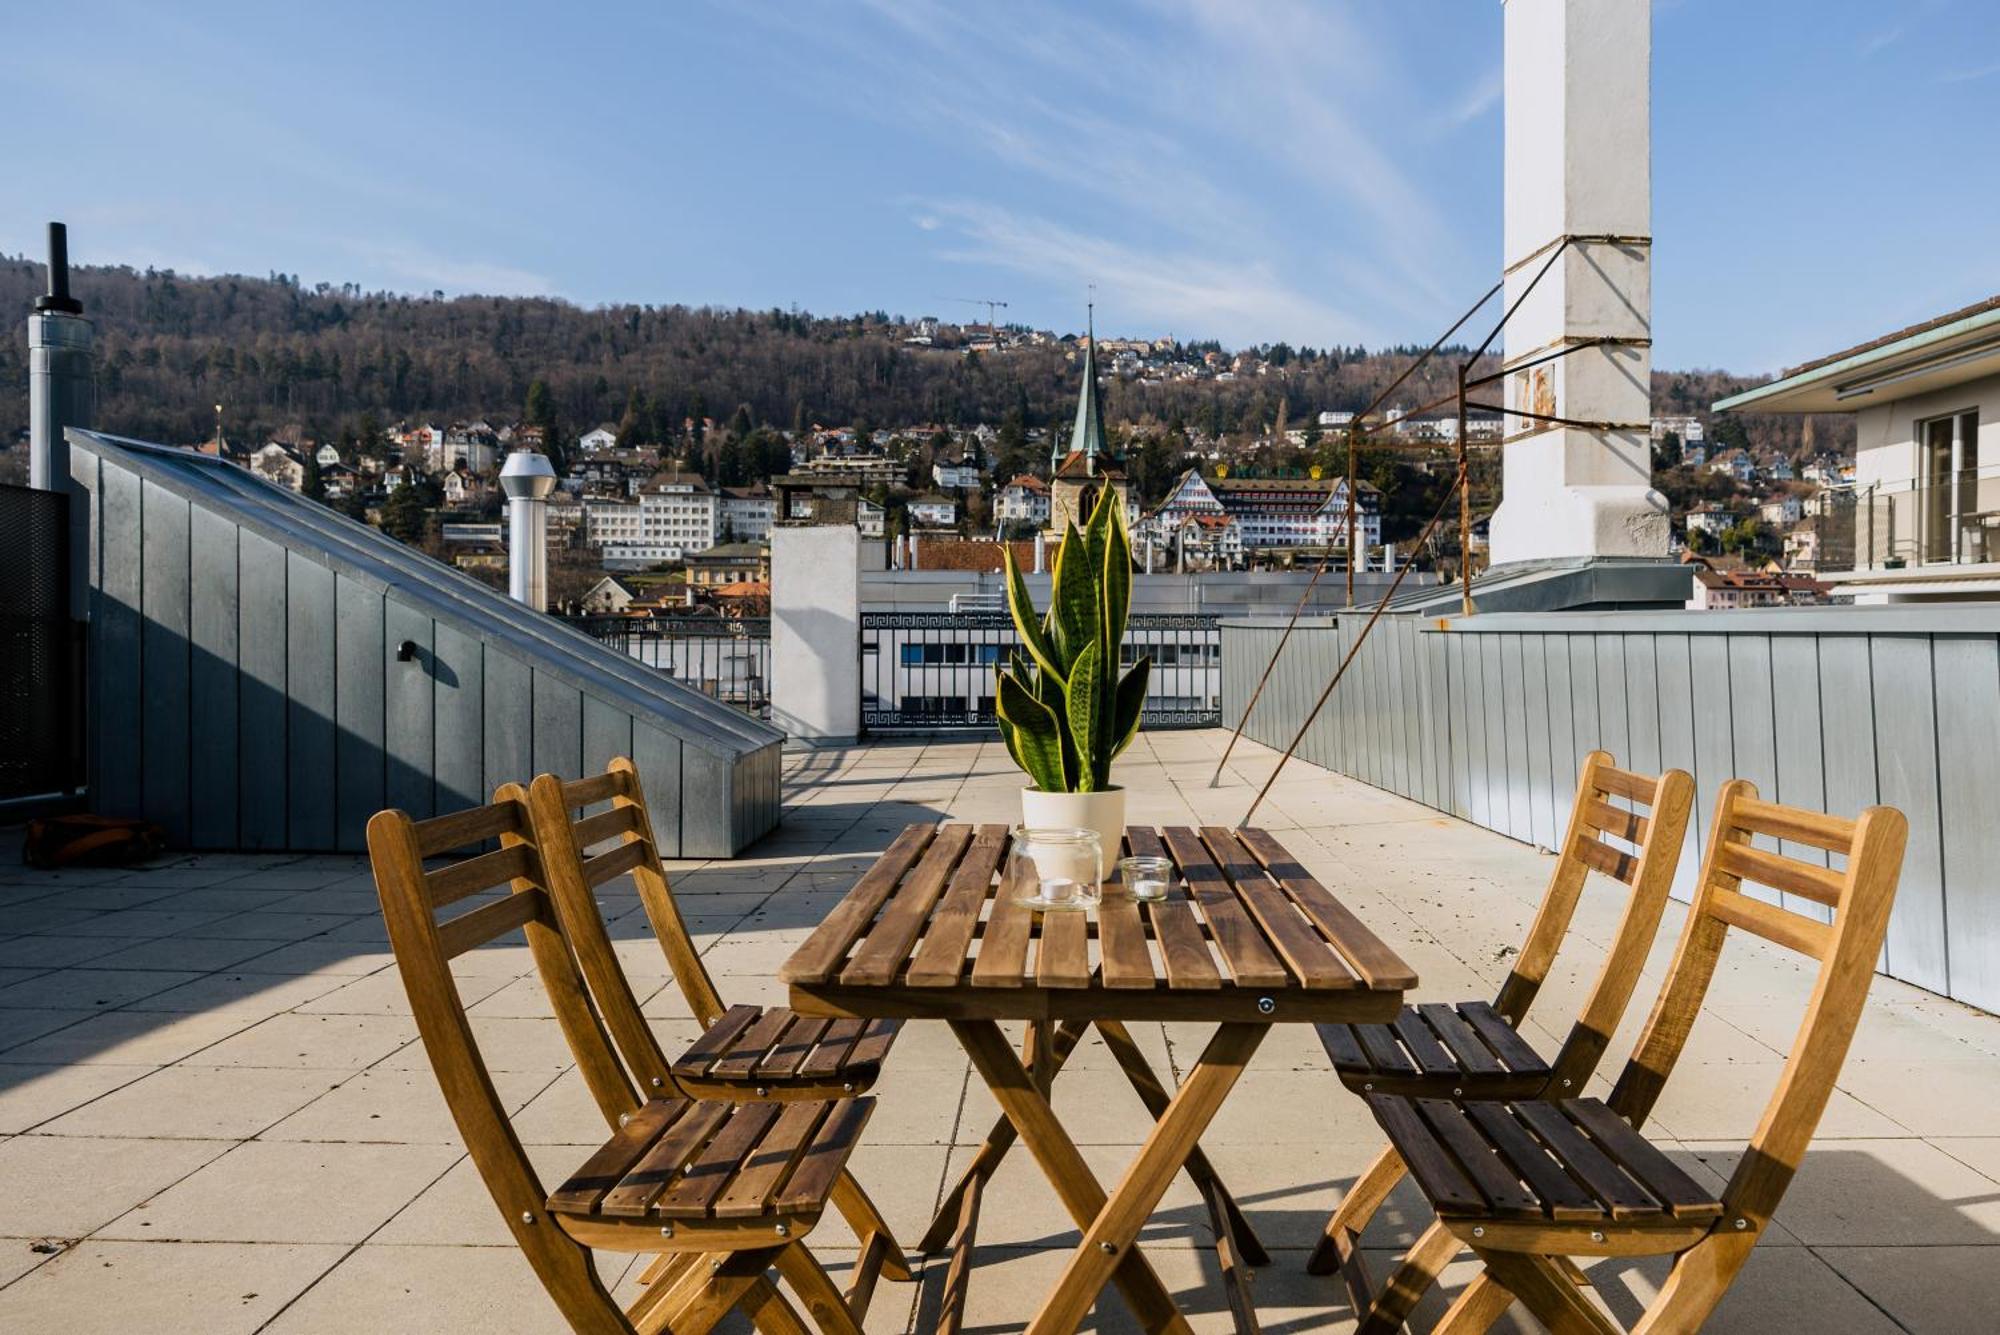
column 1860, row 893
column 1631, row 827
column 425, row 946
column 573, row 879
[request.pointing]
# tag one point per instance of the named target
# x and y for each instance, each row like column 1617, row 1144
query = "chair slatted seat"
column 1474, row 1049
column 1529, row 1184
column 722, row 1193
column 678, row 1159
column 772, row 1047
column 743, row 1052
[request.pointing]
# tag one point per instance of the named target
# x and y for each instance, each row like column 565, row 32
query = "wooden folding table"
column 1245, row 939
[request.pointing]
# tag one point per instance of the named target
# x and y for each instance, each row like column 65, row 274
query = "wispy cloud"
column 409, row 265
column 1970, row 75
column 1482, row 97
column 1879, row 41
column 1191, row 293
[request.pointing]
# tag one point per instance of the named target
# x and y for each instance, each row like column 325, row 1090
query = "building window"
column 1953, row 512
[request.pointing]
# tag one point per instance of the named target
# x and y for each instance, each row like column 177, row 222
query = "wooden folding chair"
column 722, row 1192
column 744, row 1052
column 1475, row 1050
column 1529, row 1185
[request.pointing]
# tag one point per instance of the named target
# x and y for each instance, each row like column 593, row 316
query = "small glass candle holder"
column 1055, row 870
column 1146, row 878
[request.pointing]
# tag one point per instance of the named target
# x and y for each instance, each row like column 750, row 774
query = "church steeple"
column 1087, row 436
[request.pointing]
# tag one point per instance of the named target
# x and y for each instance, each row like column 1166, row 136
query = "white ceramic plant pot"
column 1102, row 811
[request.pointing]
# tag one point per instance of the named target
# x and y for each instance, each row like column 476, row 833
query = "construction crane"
column 991, row 305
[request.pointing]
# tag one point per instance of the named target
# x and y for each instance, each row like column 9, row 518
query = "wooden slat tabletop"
column 1245, row 933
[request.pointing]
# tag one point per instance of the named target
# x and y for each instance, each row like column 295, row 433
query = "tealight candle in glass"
column 1055, row 870
column 1146, row 878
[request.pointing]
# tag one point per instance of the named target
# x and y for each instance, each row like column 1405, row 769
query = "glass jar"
column 1055, row 870
column 1146, row 878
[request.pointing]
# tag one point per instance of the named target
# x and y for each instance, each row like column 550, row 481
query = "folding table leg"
column 1154, row 1095
column 1078, row 1188
column 1108, row 1250
column 1001, row 1138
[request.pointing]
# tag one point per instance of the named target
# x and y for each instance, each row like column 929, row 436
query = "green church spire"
column 1087, row 436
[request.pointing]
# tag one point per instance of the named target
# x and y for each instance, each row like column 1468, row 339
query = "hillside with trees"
column 328, row 362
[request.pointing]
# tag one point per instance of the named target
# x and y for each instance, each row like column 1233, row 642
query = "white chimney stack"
column 1577, row 137
column 528, row 478
column 1041, row 551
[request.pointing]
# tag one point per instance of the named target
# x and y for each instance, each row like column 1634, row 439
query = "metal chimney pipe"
column 60, row 379
column 528, row 479
column 1041, row 551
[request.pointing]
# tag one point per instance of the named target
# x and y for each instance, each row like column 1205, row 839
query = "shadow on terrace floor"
column 180, row 1040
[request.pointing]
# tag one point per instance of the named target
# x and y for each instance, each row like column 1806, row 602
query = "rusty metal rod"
column 1464, row 505
column 1353, row 494
column 1515, row 305
column 1325, row 695
column 1579, row 345
column 1564, row 421
column 1269, row 664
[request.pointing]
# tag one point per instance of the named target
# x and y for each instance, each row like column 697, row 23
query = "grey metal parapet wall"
column 1831, row 708
column 267, row 673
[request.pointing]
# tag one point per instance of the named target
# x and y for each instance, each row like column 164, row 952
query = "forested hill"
column 275, row 353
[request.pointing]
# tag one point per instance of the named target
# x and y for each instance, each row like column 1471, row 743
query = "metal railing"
column 933, row 671
column 728, row 659
column 1947, row 519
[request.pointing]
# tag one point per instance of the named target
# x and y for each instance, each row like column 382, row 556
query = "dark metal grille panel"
column 38, row 698
column 933, row 671
column 726, row 659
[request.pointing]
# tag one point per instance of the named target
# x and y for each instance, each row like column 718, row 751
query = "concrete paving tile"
column 111, row 1288
column 426, row 1291
column 32, row 1094
column 1725, row 1100
column 54, row 952
column 561, row 1112
column 902, row 1180
column 321, row 1042
column 196, row 1102
column 145, row 923
column 506, row 1044
column 19, row 1026
column 1928, row 1290
column 180, row 952
column 252, row 996
column 383, row 994
column 1879, row 1193
column 264, row 1191
column 129, row 1038
column 457, row 1210
column 92, row 988
column 1931, row 1098
column 400, row 1107
column 227, row 898
column 1779, row 1289
column 348, row 958
column 64, row 1186
column 272, row 925
column 51, row 917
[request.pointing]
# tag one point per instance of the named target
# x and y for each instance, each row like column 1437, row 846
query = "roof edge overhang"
column 1939, row 358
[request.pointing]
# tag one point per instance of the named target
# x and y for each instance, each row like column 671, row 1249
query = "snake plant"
column 1065, row 710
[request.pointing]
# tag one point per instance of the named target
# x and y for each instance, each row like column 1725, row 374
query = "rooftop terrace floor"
column 215, row 1115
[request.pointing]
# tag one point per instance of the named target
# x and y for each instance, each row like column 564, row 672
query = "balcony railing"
column 728, row 659
column 932, row 671
column 1947, row 519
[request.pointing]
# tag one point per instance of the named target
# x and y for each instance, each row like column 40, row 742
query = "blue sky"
column 1322, row 173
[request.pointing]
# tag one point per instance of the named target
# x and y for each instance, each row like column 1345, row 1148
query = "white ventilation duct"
column 528, row 478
